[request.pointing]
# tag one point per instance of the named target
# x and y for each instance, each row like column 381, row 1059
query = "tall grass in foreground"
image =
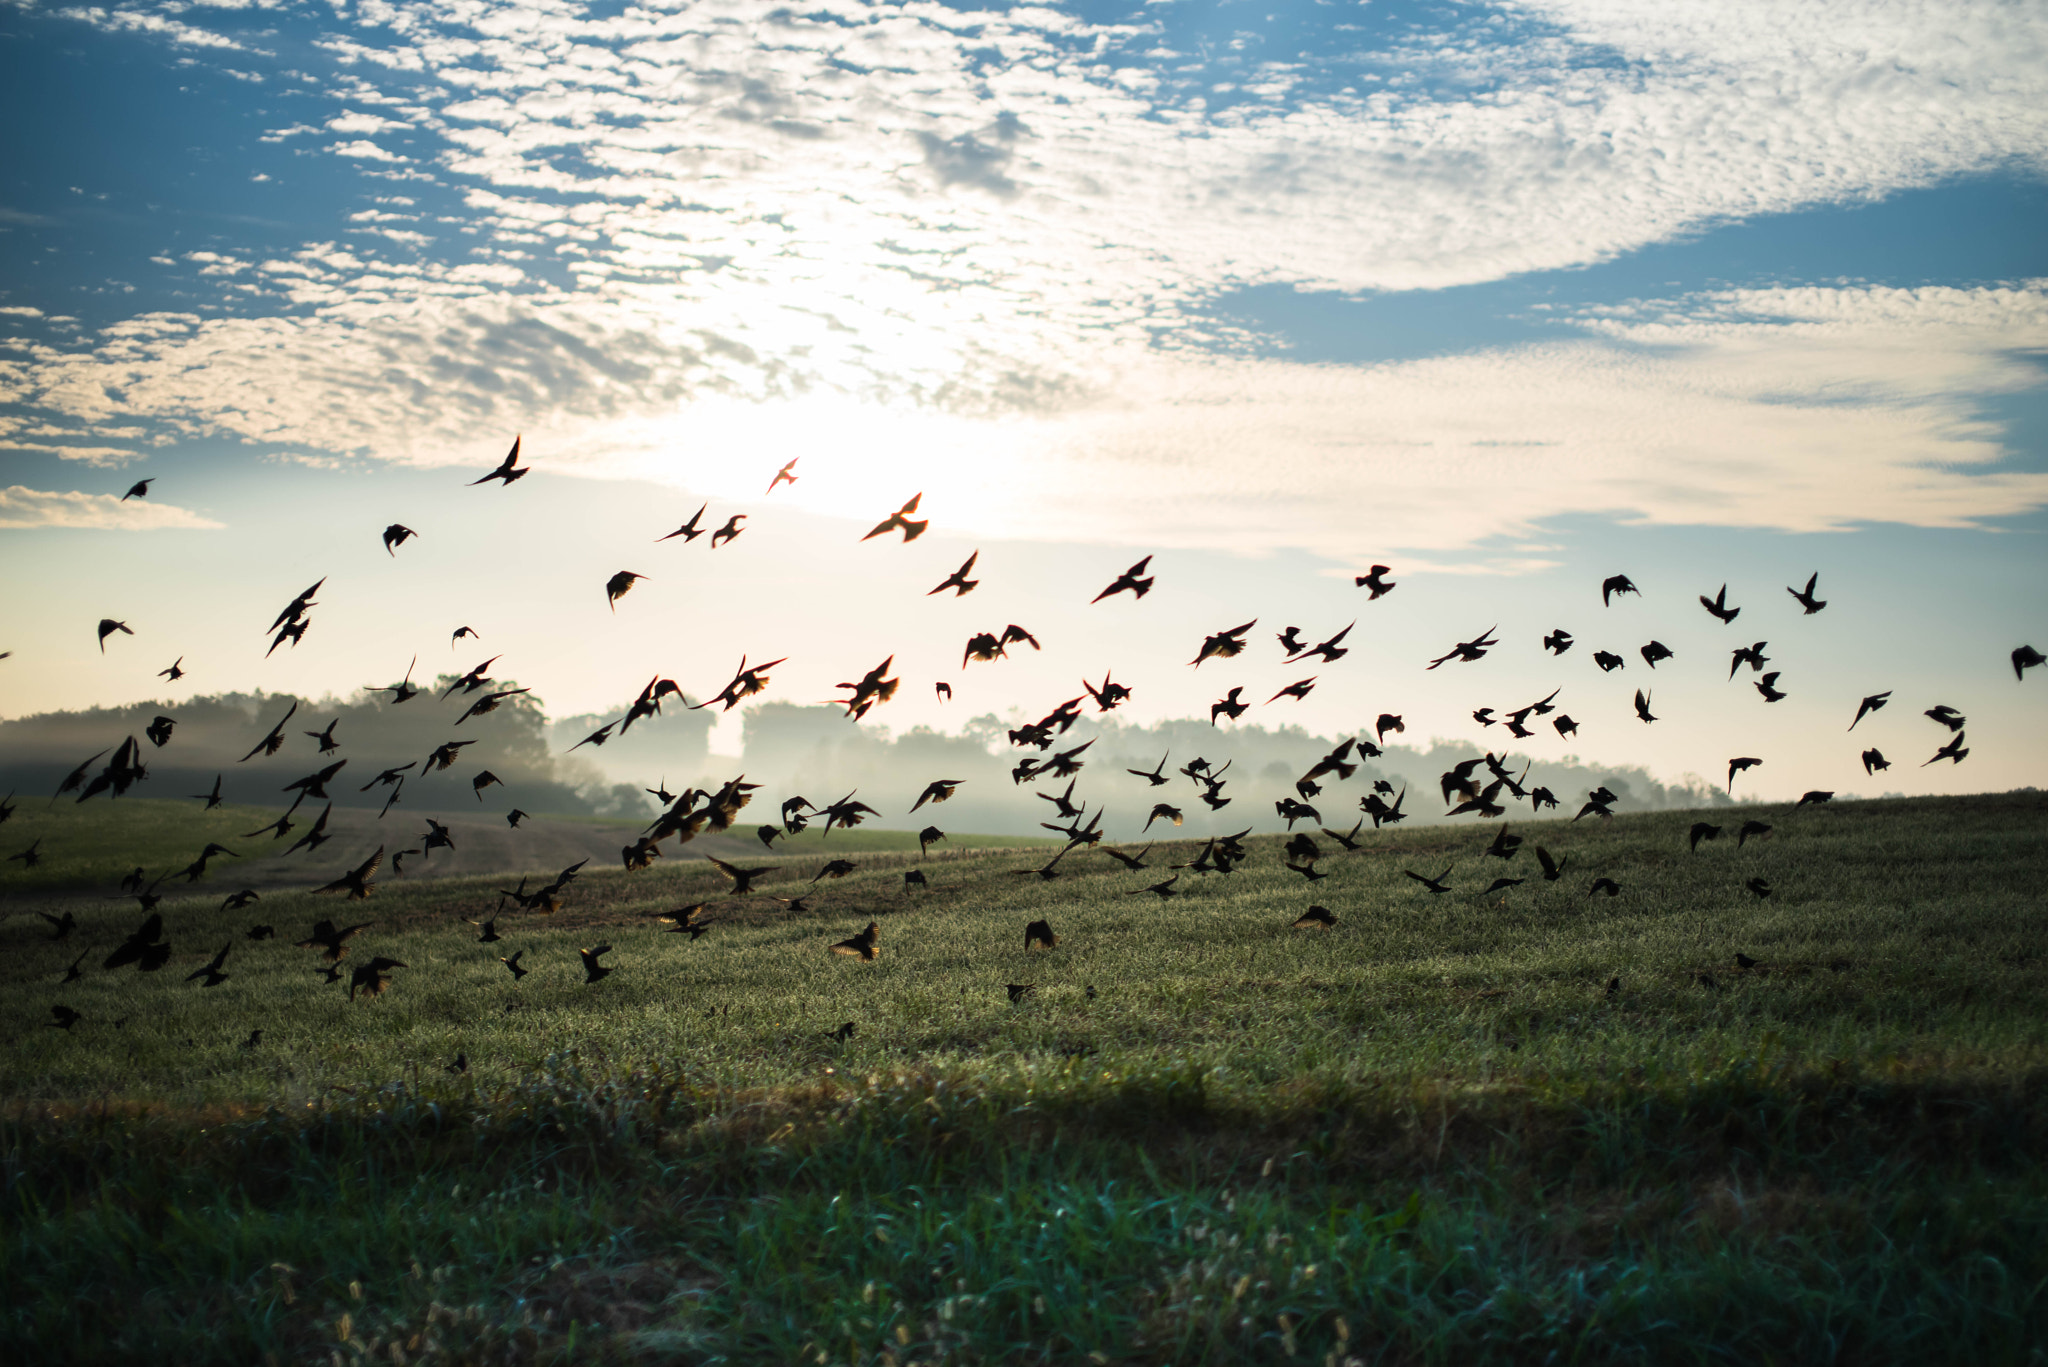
column 1428, row 1136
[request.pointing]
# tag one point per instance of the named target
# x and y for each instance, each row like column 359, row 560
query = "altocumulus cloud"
column 922, row 217
column 22, row 507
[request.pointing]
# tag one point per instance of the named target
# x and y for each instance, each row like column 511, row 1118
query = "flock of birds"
column 1464, row 788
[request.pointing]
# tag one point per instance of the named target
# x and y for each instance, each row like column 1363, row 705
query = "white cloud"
column 364, row 150
column 21, row 507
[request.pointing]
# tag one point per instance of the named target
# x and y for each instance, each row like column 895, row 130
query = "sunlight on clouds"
column 20, row 507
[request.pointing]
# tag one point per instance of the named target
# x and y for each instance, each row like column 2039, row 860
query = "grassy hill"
column 1478, row 1126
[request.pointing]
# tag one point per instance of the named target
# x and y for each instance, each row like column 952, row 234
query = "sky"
column 1508, row 297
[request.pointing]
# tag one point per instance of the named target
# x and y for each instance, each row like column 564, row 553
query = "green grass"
column 1430, row 1135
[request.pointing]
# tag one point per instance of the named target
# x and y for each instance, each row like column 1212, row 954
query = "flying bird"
column 958, row 580
column 1740, row 764
column 1869, row 705
column 373, row 977
column 174, row 673
column 1040, row 934
column 1130, row 579
column 396, row 535
column 615, row 587
column 1468, row 651
column 1805, row 595
column 592, row 969
column 402, row 691
column 212, row 972
column 1377, row 581
column 900, row 521
column 1643, row 706
column 1946, row 715
column 1954, row 750
column 1608, row 662
column 1768, row 686
column 1229, row 705
column 1224, row 644
column 742, row 879
column 509, row 469
column 1751, row 655
column 1297, row 690
column 1558, row 641
column 1616, row 583
column 1718, row 605
column 1436, row 885
column 783, row 476
column 356, row 882
column 108, row 626
column 2025, row 658
column 1874, row 761
column 273, row 742
column 729, row 532
column 938, row 790
column 1315, row 918
column 1655, row 651
column 139, row 489
column 689, row 531
column 871, row 689
column 863, row 946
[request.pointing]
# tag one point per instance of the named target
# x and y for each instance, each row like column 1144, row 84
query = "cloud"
column 21, row 507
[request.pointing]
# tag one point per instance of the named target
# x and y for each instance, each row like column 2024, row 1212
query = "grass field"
column 1432, row 1133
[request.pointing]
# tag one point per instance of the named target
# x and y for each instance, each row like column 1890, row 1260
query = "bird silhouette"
column 401, row 691
column 2025, row 658
column 783, row 476
column 742, row 879
column 1465, row 652
column 1738, row 765
column 139, row 489
column 108, row 626
column 1297, row 690
column 1155, row 776
column 1751, row 655
column 512, row 964
column 1224, row 644
column 1315, row 918
column 1815, row 798
column 1767, row 686
column 900, row 521
column 1608, row 661
column 1229, row 705
column 1553, row 869
column 1954, row 750
column 1655, row 651
column 463, row 633
column 593, row 971
column 159, row 731
column 514, row 817
column 1946, row 716
column 871, row 689
column 1436, row 885
column 1718, row 605
column 1377, row 581
column 1643, row 706
column 1040, row 933
column 144, row 945
column 1702, row 830
column 509, row 469
column 616, row 587
column 1131, row 579
column 1613, row 584
column 396, row 535
column 958, row 580
column 1109, row 696
column 356, row 882
column 729, row 532
column 1604, row 885
column 1805, row 595
column 1558, row 641
column 174, row 673
column 689, row 531
column 212, row 972
column 273, row 742
column 1874, row 761
column 1869, row 705
column 1751, row 828
column 1164, row 889
column 942, row 690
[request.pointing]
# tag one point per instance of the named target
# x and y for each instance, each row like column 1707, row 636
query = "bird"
column 443, row 756
column 175, row 672
column 2025, row 658
column 1130, row 579
column 1751, row 828
column 1740, row 764
column 1436, row 885
column 1558, row 641
column 729, row 532
column 1162, row 811
column 1468, row 651
column 373, row 977
column 1805, row 595
column 1874, row 760
column 509, row 469
column 512, row 963
column 938, row 790
column 1955, row 750
column 1655, row 651
column 1224, row 644
column 1718, row 605
column 1608, row 661
column 396, row 535
column 1751, row 655
column 315, row 785
column 1297, row 690
column 1604, row 885
column 1315, row 918
column 1702, row 830
column 689, row 531
column 1946, row 715
column 159, row 731
column 592, row 969
column 1759, row 886
column 1110, row 695
column 1132, row 862
column 597, row 737
column 1553, row 869
column 914, row 878
column 64, row 1017
column 1040, row 933
column 1616, row 583
column 212, row 972
column 942, row 690
column 900, row 521
column 356, row 882
column 871, row 689
column 1388, row 721
column 1484, row 716
column 1815, row 797
column 514, row 817
column 142, row 946
column 139, row 489
column 1377, row 581
column 1643, row 706
column 615, row 587
column 958, row 580
column 461, row 633
column 1155, row 776
column 1229, row 705
column 488, row 703
column 742, row 879
column 1565, row 725
column 401, row 691
column 1504, row 846
column 108, row 626
column 862, row 946
column 1501, row 885
column 837, row 868
column 783, row 476
column 1767, row 686
column 1164, row 889
column 273, row 742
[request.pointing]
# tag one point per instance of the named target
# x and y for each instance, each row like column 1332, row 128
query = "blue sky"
column 1509, row 296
